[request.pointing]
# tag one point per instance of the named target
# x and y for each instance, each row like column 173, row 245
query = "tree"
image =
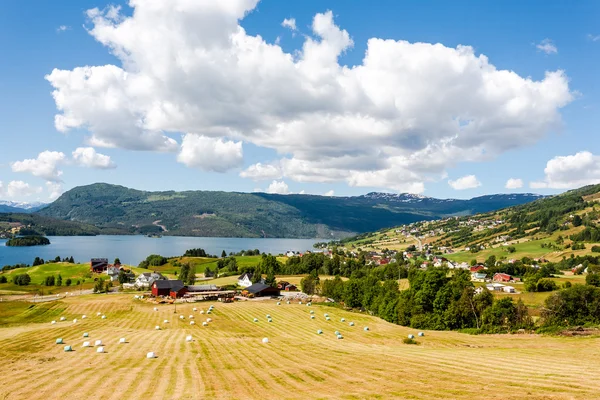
column 49, row 281
column 577, row 221
column 71, row 260
column 108, row 286
column 122, row 277
column 593, row 280
column 232, row 265
column 22, row 280
column 308, row 285
column 223, row 254
column 68, row 282
column 270, row 280
column 38, row 261
column 191, row 278
column 59, row 280
column 117, row 261
column 3, row 279
column 184, row 272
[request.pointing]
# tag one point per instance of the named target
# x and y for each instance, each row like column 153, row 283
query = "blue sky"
column 528, row 38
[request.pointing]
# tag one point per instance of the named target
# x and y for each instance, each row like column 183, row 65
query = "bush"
column 3, row 279
column 22, row 280
column 68, row 282
column 592, row 280
column 546, row 285
column 595, row 249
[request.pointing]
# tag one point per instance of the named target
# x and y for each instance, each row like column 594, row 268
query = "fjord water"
column 133, row 249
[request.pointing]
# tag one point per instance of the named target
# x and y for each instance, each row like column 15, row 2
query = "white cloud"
column 62, row 28
column 547, row 46
column 44, row 166
column 261, row 171
column 399, row 119
column 21, row 189
column 289, row 23
column 54, row 190
column 465, row 182
column 329, row 193
column 210, row 154
column 514, row 183
column 279, row 187
column 593, row 38
column 567, row 172
column 88, row 157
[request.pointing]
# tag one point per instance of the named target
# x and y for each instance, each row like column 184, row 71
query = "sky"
column 444, row 99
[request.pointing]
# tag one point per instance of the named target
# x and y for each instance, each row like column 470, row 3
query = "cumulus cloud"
column 465, row 182
column 88, row 157
column 289, row 23
column 21, row 189
column 329, row 193
column 399, row 119
column 54, row 190
column 210, row 154
column 547, row 46
column 567, row 172
column 62, row 28
column 279, row 187
column 261, row 171
column 44, row 166
column 593, row 38
column 514, row 183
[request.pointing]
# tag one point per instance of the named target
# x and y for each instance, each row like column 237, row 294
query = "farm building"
column 201, row 288
column 260, row 289
column 477, row 268
column 500, row 277
column 146, row 279
column 478, row 277
column 291, row 288
column 98, row 264
column 282, row 284
column 245, row 279
column 509, row 289
column 174, row 288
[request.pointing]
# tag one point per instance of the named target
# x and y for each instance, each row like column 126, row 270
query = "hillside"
column 223, row 214
column 35, row 224
column 20, row 207
column 550, row 228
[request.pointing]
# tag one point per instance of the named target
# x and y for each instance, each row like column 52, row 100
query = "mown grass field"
column 227, row 359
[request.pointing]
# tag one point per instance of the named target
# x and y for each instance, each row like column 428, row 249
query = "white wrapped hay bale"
column 100, row 349
column 86, row 344
column 265, row 340
column 122, row 340
column 150, row 355
column 189, row 338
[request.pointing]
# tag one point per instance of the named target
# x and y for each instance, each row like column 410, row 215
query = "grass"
column 293, row 279
column 228, row 360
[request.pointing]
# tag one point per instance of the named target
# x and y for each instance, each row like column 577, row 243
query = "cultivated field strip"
column 227, row 359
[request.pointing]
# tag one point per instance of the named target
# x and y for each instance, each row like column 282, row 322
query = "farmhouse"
column 260, row 289
column 174, row 288
column 476, row 268
column 500, row 277
column 98, row 265
column 245, row 279
column 478, row 277
column 113, row 273
column 146, row 279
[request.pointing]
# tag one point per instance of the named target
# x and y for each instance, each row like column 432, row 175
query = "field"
column 228, row 360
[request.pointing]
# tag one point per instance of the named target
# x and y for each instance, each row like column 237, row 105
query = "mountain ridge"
column 238, row 214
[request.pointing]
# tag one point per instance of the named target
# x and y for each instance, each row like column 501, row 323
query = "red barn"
column 173, row 288
column 98, row 265
column 291, row 288
column 477, row 268
column 500, row 277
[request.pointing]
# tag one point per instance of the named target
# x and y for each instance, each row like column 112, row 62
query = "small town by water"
column 133, row 249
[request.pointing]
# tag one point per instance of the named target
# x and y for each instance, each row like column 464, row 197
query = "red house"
column 500, row 277
column 173, row 288
column 98, row 265
column 291, row 288
column 476, row 268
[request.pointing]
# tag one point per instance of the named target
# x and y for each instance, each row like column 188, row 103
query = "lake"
column 133, row 249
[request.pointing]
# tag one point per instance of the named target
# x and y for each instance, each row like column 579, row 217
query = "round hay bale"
column 208, row 320
column 366, row 328
column 85, row 334
column 98, row 343
column 151, row 355
column 86, row 344
column 104, row 317
column 75, row 321
column 255, row 319
column 326, row 315
column 181, row 317
column 83, row 316
column 98, row 314
column 278, row 303
column 336, row 333
column 191, row 317
column 319, row 332
column 205, row 324
column 327, row 319
column 343, row 320
column 312, row 317
column 157, row 328
column 268, row 316
column 299, row 302
column 189, row 338
column 166, row 321
column 411, row 336
column 59, row 341
column 265, row 340
column 312, row 311
column 68, row 348
column 63, row 318
column 288, row 302
column 122, row 340
column 201, row 311
column 192, row 322
column 269, row 320
column 340, row 337
column 53, row 322
column 421, row 334
column 194, row 309
column 208, row 312
column 351, row 324
column 308, row 304
column 100, row 349
column 155, row 308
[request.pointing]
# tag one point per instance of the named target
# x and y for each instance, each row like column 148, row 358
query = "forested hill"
column 34, row 224
column 223, row 214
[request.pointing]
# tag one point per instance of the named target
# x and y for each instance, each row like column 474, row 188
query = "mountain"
column 20, row 207
column 223, row 214
column 35, row 224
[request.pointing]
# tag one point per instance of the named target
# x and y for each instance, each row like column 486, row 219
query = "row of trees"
column 57, row 259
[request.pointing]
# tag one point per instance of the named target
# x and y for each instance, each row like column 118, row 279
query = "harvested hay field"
column 228, row 360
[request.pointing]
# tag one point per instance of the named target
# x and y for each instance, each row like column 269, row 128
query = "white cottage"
column 245, row 279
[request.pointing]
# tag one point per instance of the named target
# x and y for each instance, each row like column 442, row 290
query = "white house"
column 509, row 289
column 146, row 279
column 113, row 273
column 245, row 279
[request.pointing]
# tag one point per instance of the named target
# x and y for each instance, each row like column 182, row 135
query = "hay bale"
column 327, row 319
column 75, row 321
column 86, row 344
column 208, row 312
column 53, row 322
column 326, row 315
column 269, row 320
column 189, row 338
column 278, row 303
column 421, row 334
column 85, row 334
column 265, row 340
column 104, row 317
column 309, row 304
column 63, row 318
column 208, row 320
column 366, row 328
column 194, row 309
column 336, row 333
column 268, row 316
column 59, row 341
column 340, row 337
column 100, row 349
column 191, row 317
column 255, row 319
column 150, row 355
column 192, row 322
column 157, row 328
column 155, row 308
column 351, row 324
column 299, row 302
column 411, row 336
column 205, row 324
column 181, row 317
column 98, row 314
column 201, row 311
column 312, row 317
column 68, row 348
column 319, row 332
column 288, row 302
column 343, row 320
column 83, row 316
column 122, row 340
column 312, row 311
column 98, row 343
column 166, row 321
